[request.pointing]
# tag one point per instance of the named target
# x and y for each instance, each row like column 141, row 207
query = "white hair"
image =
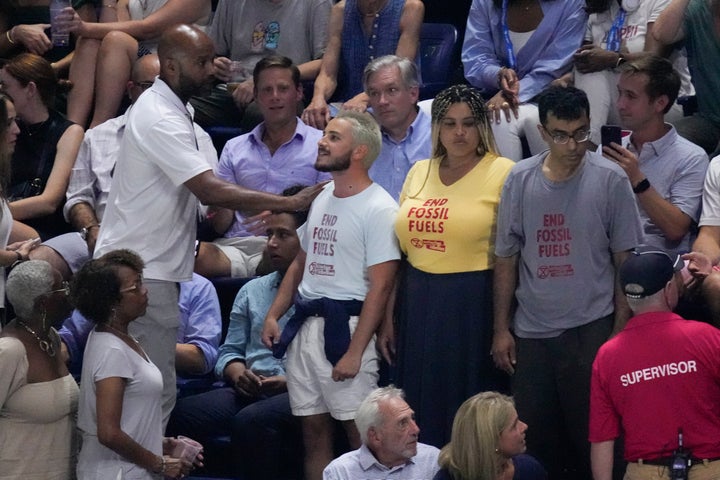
column 26, row 283
column 368, row 413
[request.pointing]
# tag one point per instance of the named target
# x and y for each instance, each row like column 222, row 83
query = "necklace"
column 35, row 128
column 107, row 325
column 45, row 345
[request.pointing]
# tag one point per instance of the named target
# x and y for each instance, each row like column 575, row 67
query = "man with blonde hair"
column 343, row 276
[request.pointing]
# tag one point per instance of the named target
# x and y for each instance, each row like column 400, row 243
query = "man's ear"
column 415, row 93
column 359, row 152
column 661, row 103
column 169, row 65
column 373, row 436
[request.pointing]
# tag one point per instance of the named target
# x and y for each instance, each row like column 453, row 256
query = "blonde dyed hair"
column 472, row 453
column 365, row 131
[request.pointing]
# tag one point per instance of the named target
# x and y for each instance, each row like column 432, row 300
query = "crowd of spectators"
column 494, row 244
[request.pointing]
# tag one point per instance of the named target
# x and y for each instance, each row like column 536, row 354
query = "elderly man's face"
column 393, row 102
column 395, row 441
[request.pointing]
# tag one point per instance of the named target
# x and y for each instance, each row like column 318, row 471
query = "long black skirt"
column 444, row 340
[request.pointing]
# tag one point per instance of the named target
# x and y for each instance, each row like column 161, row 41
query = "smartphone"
column 610, row 134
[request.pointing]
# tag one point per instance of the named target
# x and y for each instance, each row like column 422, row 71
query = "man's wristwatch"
column 641, row 186
column 85, row 231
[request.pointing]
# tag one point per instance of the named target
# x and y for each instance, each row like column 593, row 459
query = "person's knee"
column 116, row 41
column 211, row 261
column 317, row 432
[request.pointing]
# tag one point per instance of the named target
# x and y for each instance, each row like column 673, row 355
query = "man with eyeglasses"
column 91, row 177
column 656, row 379
column 665, row 170
column 566, row 220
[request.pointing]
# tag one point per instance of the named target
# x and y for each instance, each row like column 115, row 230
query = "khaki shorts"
column 699, row 471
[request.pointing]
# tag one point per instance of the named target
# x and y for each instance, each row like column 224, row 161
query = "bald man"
column 91, row 176
column 159, row 178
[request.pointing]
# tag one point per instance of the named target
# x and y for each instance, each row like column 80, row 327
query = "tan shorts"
column 700, row 471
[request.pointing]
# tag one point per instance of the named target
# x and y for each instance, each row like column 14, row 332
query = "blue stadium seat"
column 437, row 45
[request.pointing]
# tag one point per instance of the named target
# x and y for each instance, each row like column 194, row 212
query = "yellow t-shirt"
column 451, row 228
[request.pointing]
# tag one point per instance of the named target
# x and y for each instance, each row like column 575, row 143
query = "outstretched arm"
column 668, row 26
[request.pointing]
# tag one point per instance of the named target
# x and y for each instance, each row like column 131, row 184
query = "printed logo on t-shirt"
column 626, row 33
column 265, row 36
column 321, row 269
column 550, row 271
column 437, row 245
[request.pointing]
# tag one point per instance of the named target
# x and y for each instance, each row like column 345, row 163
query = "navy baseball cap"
column 647, row 270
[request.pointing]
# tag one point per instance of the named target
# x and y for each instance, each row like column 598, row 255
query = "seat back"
column 437, row 45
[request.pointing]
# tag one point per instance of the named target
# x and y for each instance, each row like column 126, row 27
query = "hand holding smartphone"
column 610, row 134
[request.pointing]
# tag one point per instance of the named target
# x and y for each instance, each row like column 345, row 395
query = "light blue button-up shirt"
column 392, row 165
column 361, row 463
column 243, row 341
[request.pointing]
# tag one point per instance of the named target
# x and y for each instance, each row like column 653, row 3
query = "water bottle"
column 59, row 39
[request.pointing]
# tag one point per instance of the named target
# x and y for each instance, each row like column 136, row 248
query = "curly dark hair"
column 95, row 289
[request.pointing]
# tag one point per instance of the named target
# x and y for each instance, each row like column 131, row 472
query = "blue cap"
column 647, row 270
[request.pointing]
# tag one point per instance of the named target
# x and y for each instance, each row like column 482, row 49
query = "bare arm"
column 189, row 359
column 29, row 37
column 673, row 222
column 505, row 279
column 109, row 393
column 601, row 458
column 283, row 299
column 317, row 114
column 386, row 331
column 381, row 277
column 708, row 242
column 220, row 219
column 622, row 310
column 54, row 193
column 210, row 190
column 172, row 13
column 82, row 215
column 410, row 23
column 668, row 26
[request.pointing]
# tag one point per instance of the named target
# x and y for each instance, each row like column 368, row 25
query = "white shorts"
column 310, row 385
column 244, row 254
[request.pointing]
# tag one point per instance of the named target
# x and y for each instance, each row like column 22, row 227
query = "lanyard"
column 613, row 38
column 506, row 37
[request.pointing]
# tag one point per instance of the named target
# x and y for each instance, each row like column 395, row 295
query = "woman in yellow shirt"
column 446, row 227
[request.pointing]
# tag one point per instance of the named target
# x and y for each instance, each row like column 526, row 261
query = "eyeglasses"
column 65, row 289
column 144, row 85
column 135, row 286
column 563, row 138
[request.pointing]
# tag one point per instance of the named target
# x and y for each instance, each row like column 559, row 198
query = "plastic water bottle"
column 59, row 39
